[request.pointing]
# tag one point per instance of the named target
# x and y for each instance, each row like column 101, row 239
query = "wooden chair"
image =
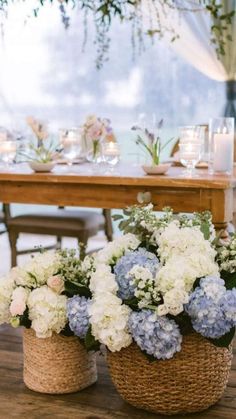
column 2, row 222
column 61, row 222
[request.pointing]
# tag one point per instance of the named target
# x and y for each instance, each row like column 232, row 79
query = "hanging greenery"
column 145, row 17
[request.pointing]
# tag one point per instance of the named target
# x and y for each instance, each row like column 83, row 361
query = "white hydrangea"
column 115, row 249
column 174, row 301
column 109, row 318
column 177, row 241
column 21, row 277
column 103, row 280
column 186, row 269
column 37, row 270
column 47, row 311
column 7, row 286
column 213, row 289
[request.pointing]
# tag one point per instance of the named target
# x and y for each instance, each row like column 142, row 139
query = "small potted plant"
column 39, row 297
column 150, row 143
column 41, row 156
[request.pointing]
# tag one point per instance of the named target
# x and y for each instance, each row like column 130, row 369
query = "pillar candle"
column 223, row 152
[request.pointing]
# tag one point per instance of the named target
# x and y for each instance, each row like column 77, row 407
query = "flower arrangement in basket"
column 165, row 310
column 42, row 296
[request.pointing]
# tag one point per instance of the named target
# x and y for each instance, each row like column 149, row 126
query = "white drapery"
column 194, row 45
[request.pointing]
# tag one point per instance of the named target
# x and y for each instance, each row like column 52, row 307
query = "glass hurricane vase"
column 95, row 153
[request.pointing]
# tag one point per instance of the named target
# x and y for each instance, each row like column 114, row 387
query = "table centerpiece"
column 150, row 143
column 41, row 155
column 95, row 130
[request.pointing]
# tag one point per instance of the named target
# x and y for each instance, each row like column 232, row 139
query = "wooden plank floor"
column 100, row 401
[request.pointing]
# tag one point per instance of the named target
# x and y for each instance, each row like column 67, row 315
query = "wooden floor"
column 100, row 401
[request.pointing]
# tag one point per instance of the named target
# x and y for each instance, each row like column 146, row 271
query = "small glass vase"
column 94, row 155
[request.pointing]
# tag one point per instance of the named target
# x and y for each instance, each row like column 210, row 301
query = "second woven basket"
column 191, row 381
column 57, row 365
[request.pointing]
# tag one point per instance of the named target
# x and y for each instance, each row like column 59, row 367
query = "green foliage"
column 229, row 278
column 91, row 344
column 67, row 331
column 44, row 153
column 151, row 142
column 224, row 341
column 24, row 319
column 106, row 11
column 204, row 220
column 75, row 288
column 183, row 321
column 142, row 221
column 132, row 303
column 76, row 278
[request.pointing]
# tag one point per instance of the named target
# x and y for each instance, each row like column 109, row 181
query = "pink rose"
column 56, row 283
column 95, row 131
column 17, row 307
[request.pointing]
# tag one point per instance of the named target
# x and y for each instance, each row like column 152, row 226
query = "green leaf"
column 117, row 217
column 24, row 319
column 126, row 211
column 91, row 344
column 183, row 320
column 123, row 224
column 67, row 331
column 72, row 288
column 132, row 303
column 205, row 229
column 150, row 358
column 224, row 341
column 229, row 278
column 196, row 283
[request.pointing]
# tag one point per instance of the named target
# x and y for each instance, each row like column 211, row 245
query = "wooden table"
column 100, row 401
column 127, row 185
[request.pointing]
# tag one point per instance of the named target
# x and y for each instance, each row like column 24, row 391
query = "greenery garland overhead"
column 105, row 11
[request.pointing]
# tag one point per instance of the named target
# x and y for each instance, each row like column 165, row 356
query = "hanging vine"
column 105, row 11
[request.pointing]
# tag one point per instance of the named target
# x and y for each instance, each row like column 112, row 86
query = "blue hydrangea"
column 156, row 335
column 139, row 257
column 77, row 313
column 228, row 303
column 212, row 308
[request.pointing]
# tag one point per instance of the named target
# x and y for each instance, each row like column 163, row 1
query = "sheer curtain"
column 195, row 47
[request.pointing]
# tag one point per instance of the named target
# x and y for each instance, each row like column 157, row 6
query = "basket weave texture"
column 191, row 381
column 57, row 365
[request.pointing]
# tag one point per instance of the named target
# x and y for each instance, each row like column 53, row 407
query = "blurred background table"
column 126, row 185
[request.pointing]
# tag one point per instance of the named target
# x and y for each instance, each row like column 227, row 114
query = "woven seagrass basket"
column 57, row 365
column 191, row 381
